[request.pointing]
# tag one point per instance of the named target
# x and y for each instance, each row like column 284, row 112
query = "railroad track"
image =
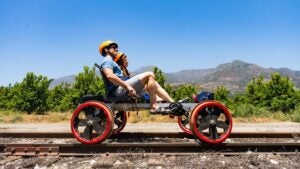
column 147, row 135
column 136, row 148
column 161, row 148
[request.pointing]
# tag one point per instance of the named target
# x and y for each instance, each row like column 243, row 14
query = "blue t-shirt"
column 109, row 63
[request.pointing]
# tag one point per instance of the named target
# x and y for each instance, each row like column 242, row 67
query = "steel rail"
column 147, row 135
column 135, row 148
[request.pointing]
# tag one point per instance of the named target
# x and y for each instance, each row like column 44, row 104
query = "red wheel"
column 184, row 124
column 120, row 120
column 92, row 122
column 211, row 122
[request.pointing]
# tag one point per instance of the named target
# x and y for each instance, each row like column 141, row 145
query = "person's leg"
column 163, row 94
column 148, row 80
column 151, row 88
column 145, row 81
column 159, row 90
column 158, row 99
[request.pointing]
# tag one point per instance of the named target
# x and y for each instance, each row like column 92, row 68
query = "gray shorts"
column 121, row 93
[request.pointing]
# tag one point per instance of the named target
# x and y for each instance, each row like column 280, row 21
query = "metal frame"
column 143, row 106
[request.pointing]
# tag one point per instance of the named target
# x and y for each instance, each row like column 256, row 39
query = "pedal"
column 177, row 109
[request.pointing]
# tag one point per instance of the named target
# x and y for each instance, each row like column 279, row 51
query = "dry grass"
column 55, row 117
column 133, row 117
column 146, row 117
column 254, row 120
column 270, row 117
column 19, row 117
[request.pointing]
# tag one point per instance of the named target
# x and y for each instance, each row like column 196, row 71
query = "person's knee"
column 151, row 74
column 152, row 82
column 146, row 77
column 157, row 84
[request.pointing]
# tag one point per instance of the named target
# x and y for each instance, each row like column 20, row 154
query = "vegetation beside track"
column 134, row 117
column 32, row 101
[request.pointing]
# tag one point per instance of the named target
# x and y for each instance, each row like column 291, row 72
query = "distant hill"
column 234, row 75
column 64, row 79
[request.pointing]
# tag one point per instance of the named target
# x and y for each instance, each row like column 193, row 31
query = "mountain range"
column 234, row 76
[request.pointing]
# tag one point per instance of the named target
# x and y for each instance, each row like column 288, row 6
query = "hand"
column 131, row 91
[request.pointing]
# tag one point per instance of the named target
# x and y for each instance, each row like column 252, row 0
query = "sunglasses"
column 113, row 46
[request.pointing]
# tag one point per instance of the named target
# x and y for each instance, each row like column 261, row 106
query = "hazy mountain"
column 64, row 79
column 142, row 69
column 234, row 75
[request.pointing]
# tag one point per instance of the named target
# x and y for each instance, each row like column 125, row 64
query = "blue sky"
column 58, row 37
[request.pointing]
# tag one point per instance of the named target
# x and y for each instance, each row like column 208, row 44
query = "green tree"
column 56, row 99
column 277, row 94
column 280, row 95
column 6, row 97
column 31, row 94
column 86, row 82
column 3, row 97
column 239, row 98
column 222, row 93
column 159, row 77
column 161, row 80
column 169, row 89
column 256, row 92
column 184, row 91
column 12, row 95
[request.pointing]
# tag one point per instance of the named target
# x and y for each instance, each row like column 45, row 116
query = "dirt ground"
column 151, row 127
column 205, row 161
column 136, row 160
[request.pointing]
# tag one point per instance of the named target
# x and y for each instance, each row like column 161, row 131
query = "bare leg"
column 158, row 98
column 151, row 86
column 148, row 80
column 154, row 89
column 163, row 94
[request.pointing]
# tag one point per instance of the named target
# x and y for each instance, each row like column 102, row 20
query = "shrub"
column 295, row 115
column 247, row 110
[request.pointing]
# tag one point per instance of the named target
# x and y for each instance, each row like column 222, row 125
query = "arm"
column 115, row 79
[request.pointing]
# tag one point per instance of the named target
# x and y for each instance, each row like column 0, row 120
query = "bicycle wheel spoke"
column 213, row 134
column 82, row 122
column 185, row 122
column 98, row 128
column 87, row 133
column 203, row 125
column 223, row 125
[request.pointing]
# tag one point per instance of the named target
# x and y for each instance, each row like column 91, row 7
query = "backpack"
column 203, row 95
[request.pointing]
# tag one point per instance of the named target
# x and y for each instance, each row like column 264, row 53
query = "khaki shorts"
column 121, row 94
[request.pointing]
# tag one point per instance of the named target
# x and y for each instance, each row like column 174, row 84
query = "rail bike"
column 96, row 118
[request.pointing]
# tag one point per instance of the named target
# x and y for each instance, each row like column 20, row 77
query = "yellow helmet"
column 118, row 57
column 104, row 45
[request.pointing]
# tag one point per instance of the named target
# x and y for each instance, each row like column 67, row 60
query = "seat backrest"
column 105, row 82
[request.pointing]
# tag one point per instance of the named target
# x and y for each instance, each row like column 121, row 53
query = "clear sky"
column 56, row 38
